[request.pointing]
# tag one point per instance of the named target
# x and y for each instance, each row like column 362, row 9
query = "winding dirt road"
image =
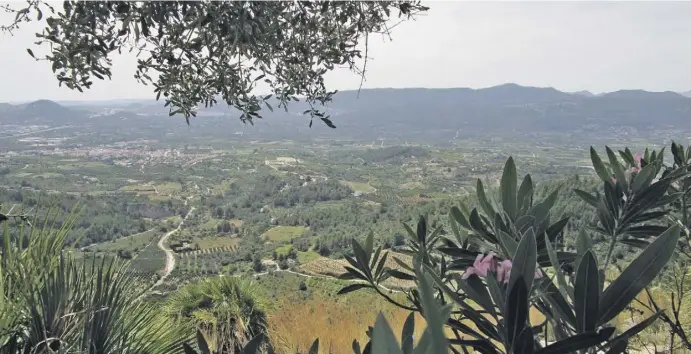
column 170, row 255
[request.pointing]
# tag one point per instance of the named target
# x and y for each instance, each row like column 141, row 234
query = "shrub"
column 506, row 249
column 228, row 312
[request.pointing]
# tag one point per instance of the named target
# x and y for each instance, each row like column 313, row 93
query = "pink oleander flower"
column 481, row 266
column 484, row 264
column 503, row 271
column 637, row 159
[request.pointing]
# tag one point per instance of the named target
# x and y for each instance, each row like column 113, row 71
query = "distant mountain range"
column 584, row 93
column 687, row 93
column 430, row 114
column 39, row 112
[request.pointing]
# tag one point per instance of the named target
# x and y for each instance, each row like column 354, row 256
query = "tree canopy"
column 198, row 53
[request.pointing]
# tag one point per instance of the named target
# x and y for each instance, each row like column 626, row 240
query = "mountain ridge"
column 506, row 88
column 431, row 114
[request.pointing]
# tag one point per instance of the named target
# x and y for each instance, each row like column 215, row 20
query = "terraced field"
column 132, row 243
column 284, row 233
column 335, row 268
column 360, row 187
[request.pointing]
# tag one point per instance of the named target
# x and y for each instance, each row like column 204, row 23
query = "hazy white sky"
column 570, row 46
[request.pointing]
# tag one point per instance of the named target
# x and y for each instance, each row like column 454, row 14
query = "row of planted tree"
column 477, row 276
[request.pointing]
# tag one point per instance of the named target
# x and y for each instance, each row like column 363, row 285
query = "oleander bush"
column 479, row 275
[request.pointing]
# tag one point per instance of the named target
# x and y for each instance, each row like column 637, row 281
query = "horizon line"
column 18, row 102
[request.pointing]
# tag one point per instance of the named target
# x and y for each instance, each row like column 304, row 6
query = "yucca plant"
column 227, row 312
column 253, row 346
column 498, row 261
column 52, row 303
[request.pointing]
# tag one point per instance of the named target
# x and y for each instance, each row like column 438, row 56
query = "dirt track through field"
column 170, row 255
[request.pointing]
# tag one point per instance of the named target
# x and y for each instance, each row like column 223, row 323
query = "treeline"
column 332, row 227
column 311, row 192
column 246, row 199
column 393, row 153
column 101, row 218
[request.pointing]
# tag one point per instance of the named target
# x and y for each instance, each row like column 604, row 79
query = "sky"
column 572, row 46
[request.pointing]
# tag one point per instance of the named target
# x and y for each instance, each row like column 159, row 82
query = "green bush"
column 513, row 259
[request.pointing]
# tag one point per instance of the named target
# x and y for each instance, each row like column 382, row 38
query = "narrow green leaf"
column 356, row 347
column 542, row 210
column 496, row 291
column 649, row 216
column 403, row 265
column 407, row 334
column 586, row 293
column 635, row 243
column 619, row 347
column 480, row 345
column 353, row 287
column 380, row 267
column 465, row 329
column 555, row 229
column 361, row 258
column 635, row 329
column 482, row 324
column 645, row 231
column 423, row 345
column 525, row 342
column 460, row 217
column 400, row 275
column 516, row 309
column 352, row 274
column 524, row 261
column 583, row 243
column 433, row 315
column 562, row 308
column 587, row 197
column 627, row 156
column 375, row 257
column 411, row 234
column 460, row 237
column 508, row 244
column 599, row 167
column 499, row 224
column 644, row 177
column 577, row 342
column 421, row 230
column 352, row 262
column 479, row 227
column 509, row 180
column 369, row 245
column 525, row 195
column 554, row 261
column 314, row 349
column 482, row 199
column 616, row 167
column 476, row 290
column 457, row 252
column 638, row 275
